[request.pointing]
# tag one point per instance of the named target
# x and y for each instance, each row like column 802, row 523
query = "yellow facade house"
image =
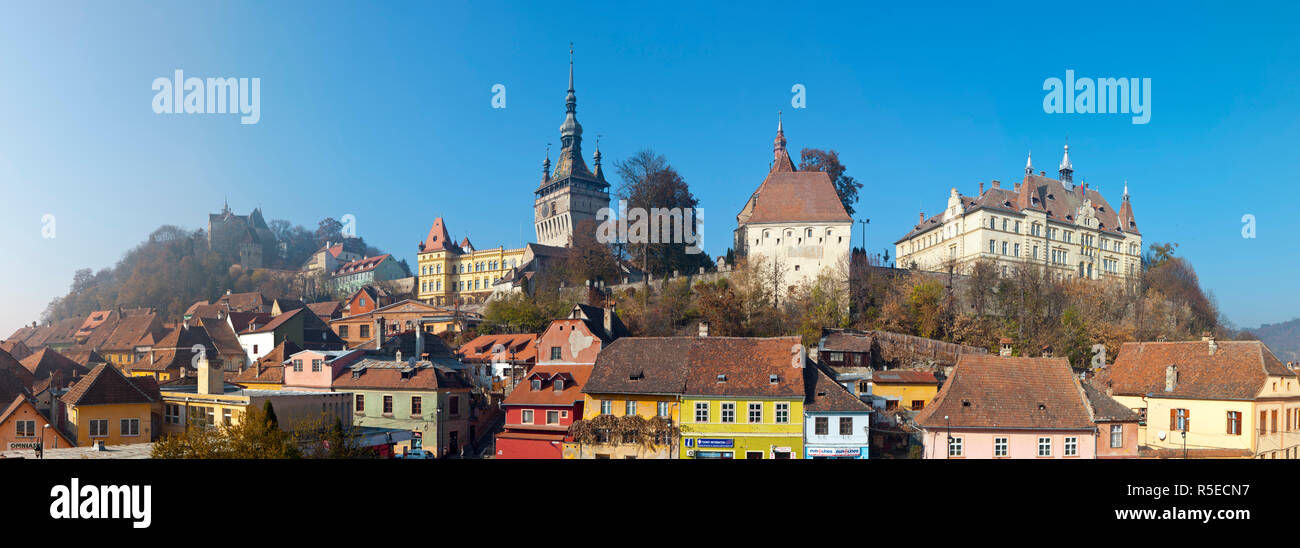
column 451, row 272
column 902, row 388
column 107, row 406
column 1208, row 399
column 742, row 398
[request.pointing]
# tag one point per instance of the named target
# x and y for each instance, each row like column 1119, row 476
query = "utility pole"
column 864, row 223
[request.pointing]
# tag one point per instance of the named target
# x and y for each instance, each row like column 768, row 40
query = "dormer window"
column 558, row 385
column 536, row 384
column 722, row 378
column 773, row 379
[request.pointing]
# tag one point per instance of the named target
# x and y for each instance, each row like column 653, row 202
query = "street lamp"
column 43, row 430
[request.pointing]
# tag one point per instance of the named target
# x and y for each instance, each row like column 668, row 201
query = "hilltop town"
column 1027, row 319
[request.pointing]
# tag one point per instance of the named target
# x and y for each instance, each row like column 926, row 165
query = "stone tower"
column 573, row 193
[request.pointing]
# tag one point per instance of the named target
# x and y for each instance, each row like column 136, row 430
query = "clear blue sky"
column 384, row 111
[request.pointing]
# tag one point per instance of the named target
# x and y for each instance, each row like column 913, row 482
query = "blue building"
column 837, row 425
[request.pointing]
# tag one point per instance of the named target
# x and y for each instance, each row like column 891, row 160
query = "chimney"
column 704, row 329
column 419, row 339
column 997, row 183
column 981, row 188
column 379, row 333
column 1017, row 187
column 1005, row 349
column 398, row 355
column 227, row 291
column 1209, row 338
column 920, row 217
column 609, row 321
column 1171, row 378
column 211, row 380
column 1042, row 173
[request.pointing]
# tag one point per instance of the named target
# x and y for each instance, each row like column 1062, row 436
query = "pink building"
column 316, row 369
column 995, row 407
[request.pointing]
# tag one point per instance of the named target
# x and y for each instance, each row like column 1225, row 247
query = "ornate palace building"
column 572, row 193
column 797, row 218
column 1070, row 229
column 451, row 272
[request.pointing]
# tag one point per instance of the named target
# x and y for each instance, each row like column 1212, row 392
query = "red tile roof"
column 130, row 331
column 361, row 265
column 373, row 373
column 1236, row 370
column 438, row 239
column 276, row 322
column 16, row 349
column 574, row 376
column 269, row 368
column 106, row 385
column 824, row 395
column 747, row 364
column 46, row 361
column 1007, row 392
column 522, row 347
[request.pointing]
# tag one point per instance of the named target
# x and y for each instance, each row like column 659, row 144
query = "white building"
column 837, row 424
column 1070, row 229
column 797, row 218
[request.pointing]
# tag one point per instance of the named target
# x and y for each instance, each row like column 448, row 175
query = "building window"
column 360, row 403
column 607, row 407
column 453, row 403
column 821, row 426
column 1179, row 420
column 1116, row 436
column 172, row 413
column 388, row 405
column 999, row 447
column 226, row 416
column 98, row 428
column 315, row 366
column 630, row 408
column 1071, row 446
column 662, row 409
column 552, row 417
column 755, row 412
column 782, row 413
column 417, row 405
column 555, row 352
column 846, row 426
column 535, row 384
column 25, row 429
column 365, row 332
column 918, row 405
column 1234, row 423
column 1044, row 447
column 954, row 447
column 526, row 416
column 702, row 412
column 728, row 412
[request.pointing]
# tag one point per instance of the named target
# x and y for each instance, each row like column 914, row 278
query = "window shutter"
column 1187, row 420
column 1173, row 421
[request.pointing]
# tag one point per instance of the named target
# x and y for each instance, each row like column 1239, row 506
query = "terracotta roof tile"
column 574, row 376
column 1236, row 370
column 106, row 385
column 46, row 361
column 1006, row 392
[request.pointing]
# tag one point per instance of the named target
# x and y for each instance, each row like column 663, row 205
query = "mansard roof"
column 1044, row 195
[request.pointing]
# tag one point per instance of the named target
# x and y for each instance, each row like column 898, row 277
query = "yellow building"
column 906, row 389
column 451, row 272
column 106, row 406
column 725, row 397
column 1212, row 399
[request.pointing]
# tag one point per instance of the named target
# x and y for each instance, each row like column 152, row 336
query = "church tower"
column 572, row 193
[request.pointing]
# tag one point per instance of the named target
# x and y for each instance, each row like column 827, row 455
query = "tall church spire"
column 571, row 130
column 1029, row 164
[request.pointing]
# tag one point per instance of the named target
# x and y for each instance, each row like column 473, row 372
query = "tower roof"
column 438, row 239
column 780, row 158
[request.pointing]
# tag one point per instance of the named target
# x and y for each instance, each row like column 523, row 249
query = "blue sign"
column 716, row 442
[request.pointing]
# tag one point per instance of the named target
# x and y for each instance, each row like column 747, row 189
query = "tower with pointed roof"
column 795, row 217
column 572, row 193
